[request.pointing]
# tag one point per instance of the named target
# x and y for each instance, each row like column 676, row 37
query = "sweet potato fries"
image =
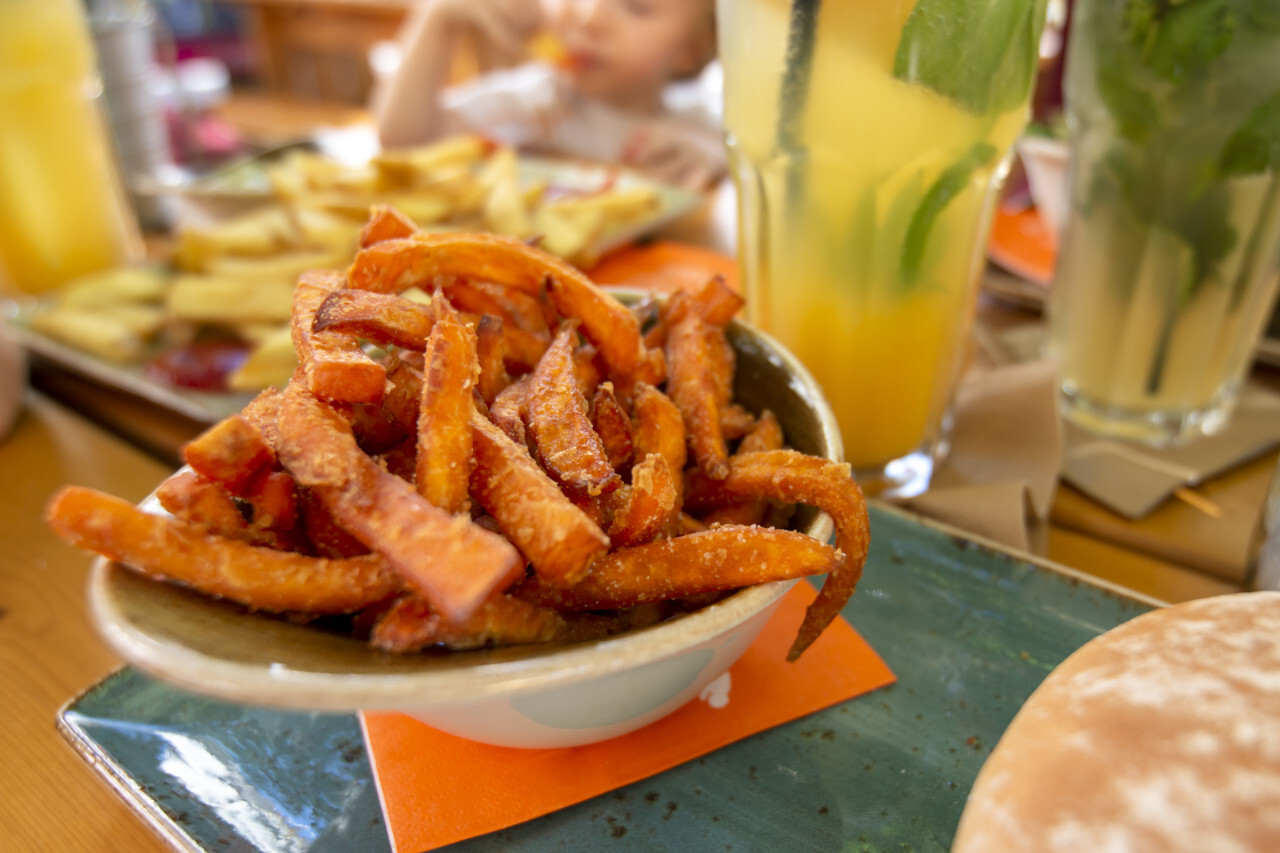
column 479, row 446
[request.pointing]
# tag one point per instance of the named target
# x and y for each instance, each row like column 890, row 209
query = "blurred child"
column 603, row 100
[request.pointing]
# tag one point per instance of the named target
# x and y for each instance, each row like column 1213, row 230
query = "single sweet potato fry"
column 695, row 388
column 411, row 624
column 455, row 564
column 658, row 427
column 613, row 425
column 716, row 302
column 382, row 318
column 509, row 410
column 514, row 307
column 568, row 446
column 722, row 558
column 651, row 505
column 335, row 366
column 444, row 417
column 792, row 477
column 553, row 534
column 260, row 578
column 765, row 435
column 393, row 265
column 493, row 376
column 386, row 223
column 230, row 452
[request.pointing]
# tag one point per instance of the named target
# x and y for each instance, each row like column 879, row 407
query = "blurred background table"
column 74, row 431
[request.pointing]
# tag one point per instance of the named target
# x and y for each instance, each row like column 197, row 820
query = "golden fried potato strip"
column 391, row 266
column 493, row 376
column 453, row 563
column 386, row 223
column 613, row 425
column 766, row 434
column 568, row 446
column 411, row 624
column 230, row 452
column 260, row 578
column 557, row 538
column 695, row 384
column 793, row 477
column 651, row 504
column 722, row 558
column 444, row 418
column 384, row 319
column 335, row 366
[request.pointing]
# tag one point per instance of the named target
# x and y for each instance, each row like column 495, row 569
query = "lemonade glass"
column 1169, row 262
column 866, row 141
column 63, row 211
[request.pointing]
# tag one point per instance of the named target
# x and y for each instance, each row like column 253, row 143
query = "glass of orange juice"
column 63, row 212
column 867, row 140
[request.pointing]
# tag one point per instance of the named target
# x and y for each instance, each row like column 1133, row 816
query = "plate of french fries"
column 228, row 280
column 526, row 488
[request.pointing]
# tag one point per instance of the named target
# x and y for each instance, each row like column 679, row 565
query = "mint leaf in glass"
column 950, row 184
column 1255, row 147
column 981, row 54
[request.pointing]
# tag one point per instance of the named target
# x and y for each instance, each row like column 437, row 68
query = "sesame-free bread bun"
column 1162, row 735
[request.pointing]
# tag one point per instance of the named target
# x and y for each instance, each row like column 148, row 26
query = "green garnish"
column 979, row 53
column 948, row 185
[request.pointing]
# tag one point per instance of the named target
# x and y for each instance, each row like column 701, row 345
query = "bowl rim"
column 279, row 685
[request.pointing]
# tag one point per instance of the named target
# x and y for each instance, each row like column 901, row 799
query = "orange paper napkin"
column 438, row 789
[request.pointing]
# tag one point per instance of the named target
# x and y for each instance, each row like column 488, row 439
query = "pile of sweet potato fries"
column 481, row 447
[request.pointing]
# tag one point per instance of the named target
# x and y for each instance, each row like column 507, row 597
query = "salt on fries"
column 519, row 457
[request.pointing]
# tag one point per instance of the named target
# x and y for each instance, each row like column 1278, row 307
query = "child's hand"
column 678, row 155
column 505, row 25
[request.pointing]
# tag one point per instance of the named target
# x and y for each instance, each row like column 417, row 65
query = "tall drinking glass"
column 63, row 211
column 866, row 140
column 1168, row 264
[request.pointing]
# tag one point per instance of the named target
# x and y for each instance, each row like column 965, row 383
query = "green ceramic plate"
column 969, row 630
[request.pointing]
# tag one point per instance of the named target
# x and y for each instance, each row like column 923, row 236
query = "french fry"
column 260, row 578
column 268, row 364
column 792, row 477
column 613, row 425
column 106, row 337
column 111, row 287
column 444, row 429
column 659, row 428
column 492, row 376
column 651, row 504
column 722, row 558
column 697, row 392
column 386, row 223
column 381, row 318
column 453, row 563
column 228, row 299
column 334, row 366
column 393, row 265
column 411, row 624
column 568, row 447
column 231, row 452
column 554, row 535
column 765, row 435
column 509, row 409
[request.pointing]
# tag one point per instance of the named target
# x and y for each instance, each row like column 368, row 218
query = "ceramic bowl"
column 528, row 696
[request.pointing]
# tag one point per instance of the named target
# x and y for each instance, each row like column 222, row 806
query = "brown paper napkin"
column 1133, row 480
column 1006, row 449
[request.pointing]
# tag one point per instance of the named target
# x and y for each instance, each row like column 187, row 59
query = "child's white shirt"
column 529, row 107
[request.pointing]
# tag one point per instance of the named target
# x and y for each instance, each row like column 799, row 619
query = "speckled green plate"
column 969, row 630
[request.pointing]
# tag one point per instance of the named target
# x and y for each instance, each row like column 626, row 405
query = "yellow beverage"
column 840, row 264
column 62, row 209
column 1170, row 259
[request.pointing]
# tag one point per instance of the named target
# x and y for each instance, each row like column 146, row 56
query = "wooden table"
column 50, row 651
